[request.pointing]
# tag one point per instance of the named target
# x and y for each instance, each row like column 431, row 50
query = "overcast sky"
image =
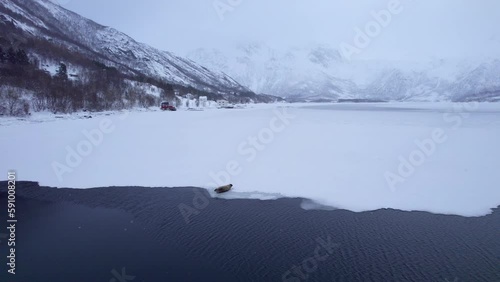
column 421, row 29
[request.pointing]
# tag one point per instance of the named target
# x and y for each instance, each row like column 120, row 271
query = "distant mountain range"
column 320, row 73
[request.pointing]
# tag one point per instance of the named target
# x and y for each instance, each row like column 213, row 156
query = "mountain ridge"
column 298, row 73
column 46, row 20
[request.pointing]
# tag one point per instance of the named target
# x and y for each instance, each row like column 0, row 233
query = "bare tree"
column 13, row 100
column 15, row 105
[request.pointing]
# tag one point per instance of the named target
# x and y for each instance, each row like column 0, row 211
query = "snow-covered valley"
column 439, row 157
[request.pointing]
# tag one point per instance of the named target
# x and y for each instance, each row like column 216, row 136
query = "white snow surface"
column 336, row 155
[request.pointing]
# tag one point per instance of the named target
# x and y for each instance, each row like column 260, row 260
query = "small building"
column 222, row 103
column 203, row 101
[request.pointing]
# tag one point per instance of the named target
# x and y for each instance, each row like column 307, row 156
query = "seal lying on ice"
column 223, row 189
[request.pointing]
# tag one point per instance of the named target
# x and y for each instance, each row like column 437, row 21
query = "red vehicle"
column 165, row 106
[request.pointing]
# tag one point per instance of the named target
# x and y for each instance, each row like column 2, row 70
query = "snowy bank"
column 441, row 158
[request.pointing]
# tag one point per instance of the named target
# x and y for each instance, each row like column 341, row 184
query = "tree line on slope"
column 25, row 86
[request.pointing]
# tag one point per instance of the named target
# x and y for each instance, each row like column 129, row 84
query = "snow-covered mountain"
column 318, row 72
column 481, row 82
column 438, row 81
column 312, row 72
column 45, row 20
column 297, row 72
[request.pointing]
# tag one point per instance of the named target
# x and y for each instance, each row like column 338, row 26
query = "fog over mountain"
column 319, row 72
column 383, row 49
column 423, row 29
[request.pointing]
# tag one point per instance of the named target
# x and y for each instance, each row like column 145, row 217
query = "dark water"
column 139, row 234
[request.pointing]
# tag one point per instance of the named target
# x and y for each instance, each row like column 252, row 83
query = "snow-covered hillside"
column 45, row 20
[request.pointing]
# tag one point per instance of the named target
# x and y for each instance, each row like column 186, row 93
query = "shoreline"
column 307, row 204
